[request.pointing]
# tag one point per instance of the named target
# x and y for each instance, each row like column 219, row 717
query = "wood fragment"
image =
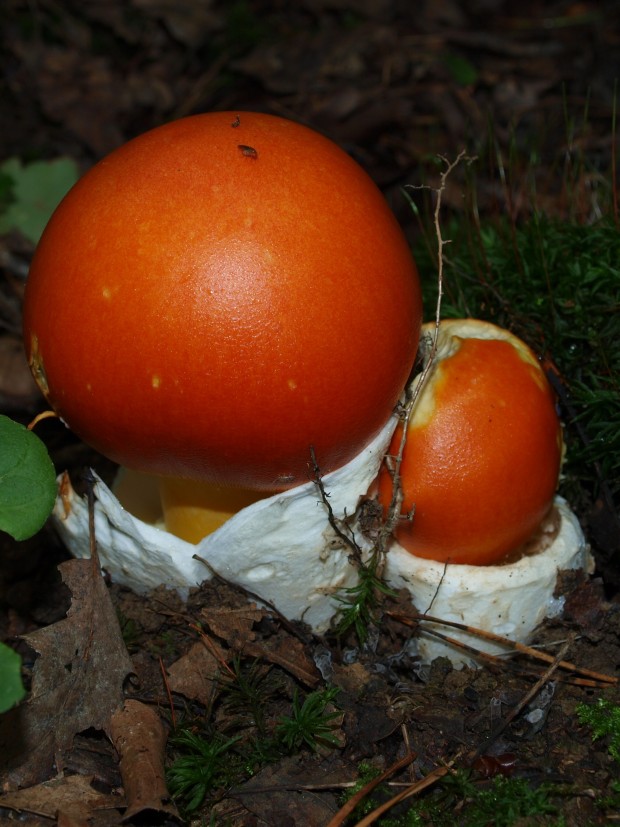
column 345, row 811
column 139, row 736
column 522, row 648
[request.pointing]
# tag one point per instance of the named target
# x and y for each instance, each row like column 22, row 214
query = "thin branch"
column 394, row 462
column 370, row 589
column 413, row 789
column 525, row 700
column 515, row 646
column 347, row 539
column 345, row 811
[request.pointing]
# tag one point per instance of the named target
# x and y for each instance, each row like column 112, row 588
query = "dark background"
column 394, row 81
column 528, row 87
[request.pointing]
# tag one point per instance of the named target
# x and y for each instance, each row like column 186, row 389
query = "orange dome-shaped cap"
column 483, row 450
column 219, row 295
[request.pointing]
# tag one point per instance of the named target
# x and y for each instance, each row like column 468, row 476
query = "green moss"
column 603, row 719
column 500, row 801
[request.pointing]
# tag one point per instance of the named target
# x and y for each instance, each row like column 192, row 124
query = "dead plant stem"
column 394, row 462
column 347, row 539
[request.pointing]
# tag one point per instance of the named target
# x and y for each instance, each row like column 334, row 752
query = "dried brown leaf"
column 74, row 796
column 77, row 681
column 290, row 654
column 276, row 795
column 193, row 674
column 235, row 626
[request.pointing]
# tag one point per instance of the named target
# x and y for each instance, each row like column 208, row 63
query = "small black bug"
column 248, row 151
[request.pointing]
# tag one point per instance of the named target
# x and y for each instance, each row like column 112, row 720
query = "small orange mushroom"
column 483, row 449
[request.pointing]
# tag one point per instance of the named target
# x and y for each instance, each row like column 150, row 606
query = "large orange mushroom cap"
column 219, row 295
column 483, row 450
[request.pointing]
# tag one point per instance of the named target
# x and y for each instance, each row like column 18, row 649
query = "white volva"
column 510, row 600
column 283, row 550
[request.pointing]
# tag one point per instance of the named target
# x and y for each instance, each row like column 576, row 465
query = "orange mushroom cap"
column 483, row 450
column 219, row 295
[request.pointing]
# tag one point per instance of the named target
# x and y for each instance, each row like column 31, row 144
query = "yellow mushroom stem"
column 186, row 508
column 194, row 509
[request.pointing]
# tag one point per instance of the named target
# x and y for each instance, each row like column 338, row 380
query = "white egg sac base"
column 283, row 550
column 510, row 600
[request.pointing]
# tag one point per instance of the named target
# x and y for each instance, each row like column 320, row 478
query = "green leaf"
column 462, row 70
column 6, row 191
column 37, row 190
column 27, row 481
column 11, row 686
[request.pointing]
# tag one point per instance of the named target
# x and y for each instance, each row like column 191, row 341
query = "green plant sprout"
column 28, row 196
column 360, row 603
column 246, row 693
column 207, row 764
column 238, row 742
column 310, row 723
